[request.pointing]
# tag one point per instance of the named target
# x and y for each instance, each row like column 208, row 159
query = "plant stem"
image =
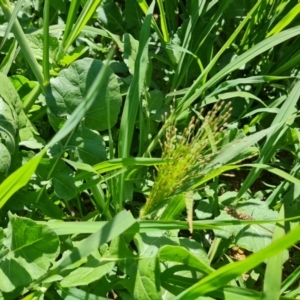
column 46, row 43
column 30, row 99
column 22, row 40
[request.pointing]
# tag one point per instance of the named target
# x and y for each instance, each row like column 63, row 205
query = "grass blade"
column 9, row 58
column 18, row 179
column 241, row 60
column 163, row 22
column 46, row 45
column 286, row 20
column 82, row 20
column 132, row 101
column 11, row 21
column 272, row 280
column 112, row 229
column 72, row 14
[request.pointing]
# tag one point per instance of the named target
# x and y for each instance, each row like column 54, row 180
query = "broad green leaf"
column 223, row 275
column 145, row 271
column 30, row 249
column 27, row 200
column 56, row 52
column 183, row 256
column 155, row 101
column 22, row 85
column 251, row 237
column 147, row 280
column 5, row 160
column 62, row 177
column 133, row 14
column 77, row 294
column 21, row 176
column 87, row 145
column 77, row 80
column 61, row 6
column 93, row 270
column 204, row 209
column 155, row 241
column 13, row 120
column 10, row 107
column 110, row 17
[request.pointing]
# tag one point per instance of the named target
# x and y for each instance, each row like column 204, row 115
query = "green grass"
column 149, row 150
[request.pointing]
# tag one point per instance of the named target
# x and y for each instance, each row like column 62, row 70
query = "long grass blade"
column 82, row 20
column 133, row 98
column 46, row 46
column 272, row 280
column 72, row 14
column 241, row 60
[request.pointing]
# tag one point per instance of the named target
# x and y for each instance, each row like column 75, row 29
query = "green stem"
column 87, row 12
column 46, row 43
column 100, row 200
column 71, row 19
column 22, row 40
column 163, row 37
column 30, row 99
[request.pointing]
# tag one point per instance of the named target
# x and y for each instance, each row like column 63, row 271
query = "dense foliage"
column 149, row 150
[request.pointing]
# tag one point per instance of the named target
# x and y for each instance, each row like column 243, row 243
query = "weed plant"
column 83, row 89
column 188, row 152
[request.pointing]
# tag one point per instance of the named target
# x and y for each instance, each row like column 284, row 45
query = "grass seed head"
column 189, row 152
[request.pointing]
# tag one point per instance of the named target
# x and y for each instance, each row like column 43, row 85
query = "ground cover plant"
column 149, row 150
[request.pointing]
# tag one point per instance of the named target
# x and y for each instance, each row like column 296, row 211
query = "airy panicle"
column 188, row 151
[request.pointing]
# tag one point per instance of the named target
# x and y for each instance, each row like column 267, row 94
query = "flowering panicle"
column 188, row 152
